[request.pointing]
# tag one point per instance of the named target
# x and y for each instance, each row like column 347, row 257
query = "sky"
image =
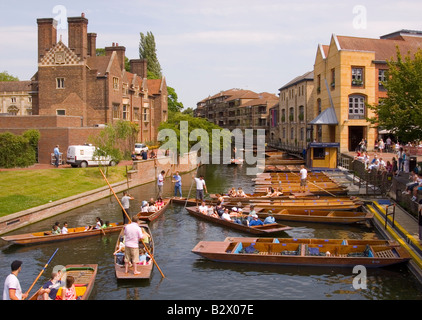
column 207, row 46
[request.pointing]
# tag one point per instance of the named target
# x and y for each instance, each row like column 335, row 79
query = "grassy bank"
column 25, row 189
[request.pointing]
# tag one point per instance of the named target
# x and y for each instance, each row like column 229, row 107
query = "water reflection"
column 190, row 277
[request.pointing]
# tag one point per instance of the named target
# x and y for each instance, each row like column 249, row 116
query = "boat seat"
column 385, row 254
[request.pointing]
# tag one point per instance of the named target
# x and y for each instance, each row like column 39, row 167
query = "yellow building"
column 347, row 76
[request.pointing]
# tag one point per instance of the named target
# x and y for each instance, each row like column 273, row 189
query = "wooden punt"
column 259, row 230
column 302, row 254
column 276, row 206
column 251, row 197
column 84, row 275
column 371, row 242
column 319, row 216
column 151, row 216
column 73, row 233
column 145, row 270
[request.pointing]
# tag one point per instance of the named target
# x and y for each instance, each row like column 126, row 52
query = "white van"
column 83, row 156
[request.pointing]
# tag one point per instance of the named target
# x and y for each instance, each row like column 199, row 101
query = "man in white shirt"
column 203, row 208
column 303, row 177
column 12, row 288
column 133, row 234
column 160, row 183
column 200, row 187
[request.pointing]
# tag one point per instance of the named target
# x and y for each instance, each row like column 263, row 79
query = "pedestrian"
column 144, row 155
column 400, row 155
column 388, row 145
column 160, row 183
column 133, row 234
column 200, row 188
column 177, row 179
column 126, row 206
column 303, row 178
column 12, row 288
column 56, row 156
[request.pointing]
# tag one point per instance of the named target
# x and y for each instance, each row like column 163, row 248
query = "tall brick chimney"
column 78, row 38
column 139, row 67
column 121, row 53
column 92, row 44
column 47, row 35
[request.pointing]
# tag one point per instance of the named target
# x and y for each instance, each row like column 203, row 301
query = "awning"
column 328, row 116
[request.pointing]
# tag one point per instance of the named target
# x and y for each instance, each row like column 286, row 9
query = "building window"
column 319, row 153
column 302, row 134
column 115, row 83
column 13, row 110
column 13, row 99
column 333, row 79
column 319, row 110
column 291, row 114
column 301, row 115
column 61, row 112
column 284, row 133
column 125, row 113
column 356, row 107
column 319, row 83
column 283, row 115
column 292, row 133
column 357, row 76
column 382, row 77
column 116, row 111
column 145, row 115
column 59, row 83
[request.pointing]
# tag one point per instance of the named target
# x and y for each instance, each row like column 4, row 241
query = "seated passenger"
column 226, row 215
column 203, row 208
column 241, row 193
column 232, row 192
column 159, row 203
column 255, row 221
column 269, row 219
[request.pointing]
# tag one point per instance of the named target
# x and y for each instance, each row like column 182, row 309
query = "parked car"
column 139, row 147
column 83, row 156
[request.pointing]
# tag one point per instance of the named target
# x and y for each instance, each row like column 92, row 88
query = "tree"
column 116, row 140
column 173, row 104
column 148, row 51
column 5, row 76
column 401, row 111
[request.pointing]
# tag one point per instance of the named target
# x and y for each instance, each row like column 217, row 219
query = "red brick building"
column 72, row 81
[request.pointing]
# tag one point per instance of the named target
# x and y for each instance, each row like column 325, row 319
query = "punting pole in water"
column 130, row 221
column 43, row 269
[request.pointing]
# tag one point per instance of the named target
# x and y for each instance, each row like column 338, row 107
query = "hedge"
column 18, row 150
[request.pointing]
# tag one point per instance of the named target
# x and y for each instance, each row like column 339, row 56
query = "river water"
column 190, row 277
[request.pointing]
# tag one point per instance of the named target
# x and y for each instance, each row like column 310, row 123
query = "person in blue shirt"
column 177, row 179
column 255, row 221
column 56, row 156
column 269, row 219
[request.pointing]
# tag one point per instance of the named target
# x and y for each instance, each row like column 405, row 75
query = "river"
column 189, row 276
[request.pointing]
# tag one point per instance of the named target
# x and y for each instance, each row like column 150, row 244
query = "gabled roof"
column 308, row 76
column 15, row 86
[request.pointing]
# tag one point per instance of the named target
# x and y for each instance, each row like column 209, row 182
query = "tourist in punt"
column 159, row 203
column 269, row 219
column 241, row 193
column 64, row 229
column 55, row 229
column 12, row 288
column 144, row 206
column 226, row 215
column 303, row 178
column 203, row 208
column 255, row 221
column 219, row 209
column 232, row 192
column 51, row 287
column 69, row 290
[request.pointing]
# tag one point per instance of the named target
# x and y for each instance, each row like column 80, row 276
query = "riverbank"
column 141, row 172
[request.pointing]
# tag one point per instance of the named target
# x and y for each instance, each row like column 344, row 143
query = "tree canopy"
column 5, row 76
column 148, row 50
column 401, row 111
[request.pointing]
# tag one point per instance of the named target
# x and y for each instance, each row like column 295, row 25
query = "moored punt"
column 73, row 233
column 371, row 242
column 145, row 270
column 319, row 216
column 307, row 205
column 151, row 216
column 302, row 254
column 84, row 275
column 259, row 230
column 250, row 197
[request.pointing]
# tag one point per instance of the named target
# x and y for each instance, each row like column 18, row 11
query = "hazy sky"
column 205, row 46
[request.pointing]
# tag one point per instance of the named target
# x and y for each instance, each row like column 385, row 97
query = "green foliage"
column 147, row 50
column 173, row 104
column 116, row 140
column 5, row 76
column 18, row 151
column 176, row 123
column 401, row 111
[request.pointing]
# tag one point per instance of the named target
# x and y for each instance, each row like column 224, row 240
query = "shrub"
column 18, row 150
